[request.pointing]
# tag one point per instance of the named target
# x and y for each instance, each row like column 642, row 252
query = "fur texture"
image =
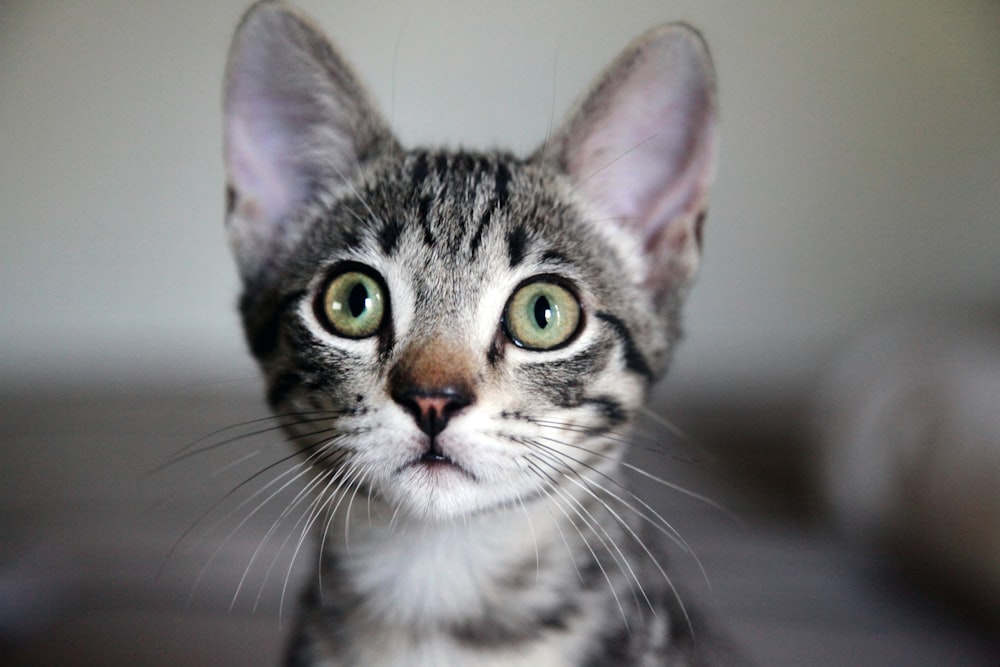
column 465, row 478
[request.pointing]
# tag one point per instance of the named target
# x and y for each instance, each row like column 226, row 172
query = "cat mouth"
column 433, row 461
column 435, row 458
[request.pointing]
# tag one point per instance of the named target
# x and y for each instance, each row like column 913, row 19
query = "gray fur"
column 518, row 544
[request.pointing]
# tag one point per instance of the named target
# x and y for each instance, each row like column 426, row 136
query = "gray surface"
column 91, row 570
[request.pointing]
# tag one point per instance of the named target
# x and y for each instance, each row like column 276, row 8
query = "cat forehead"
column 439, row 214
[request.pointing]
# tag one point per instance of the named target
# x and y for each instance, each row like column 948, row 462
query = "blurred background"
column 857, row 207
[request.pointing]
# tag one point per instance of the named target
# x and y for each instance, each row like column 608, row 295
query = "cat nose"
column 433, row 381
column 432, row 409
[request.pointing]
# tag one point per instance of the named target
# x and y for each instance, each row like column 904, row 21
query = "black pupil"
column 543, row 312
column 357, row 300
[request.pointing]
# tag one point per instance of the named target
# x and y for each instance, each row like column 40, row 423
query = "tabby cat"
column 458, row 343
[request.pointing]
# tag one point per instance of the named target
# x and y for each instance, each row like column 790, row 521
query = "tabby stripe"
column 500, row 634
column 501, row 194
column 613, row 649
column 477, row 166
column 419, row 171
column 517, row 239
column 555, row 256
column 423, row 218
column 441, row 166
column 610, row 409
column 263, row 337
column 280, row 388
column 634, row 361
column 495, row 353
column 484, row 222
column 393, row 230
column 389, row 237
column 501, row 184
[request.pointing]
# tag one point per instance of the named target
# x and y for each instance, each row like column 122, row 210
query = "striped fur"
column 507, row 537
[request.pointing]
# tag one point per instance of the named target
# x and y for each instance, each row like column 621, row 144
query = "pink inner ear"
column 645, row 157
column 261, row 173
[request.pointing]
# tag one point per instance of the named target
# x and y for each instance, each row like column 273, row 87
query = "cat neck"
column 514, row 561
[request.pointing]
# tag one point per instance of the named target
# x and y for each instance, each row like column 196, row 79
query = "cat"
column 458, row 342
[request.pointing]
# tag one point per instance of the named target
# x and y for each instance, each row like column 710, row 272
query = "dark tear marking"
column 517, row 240
column 634, row 360
column 387, row 336
column 495, row 354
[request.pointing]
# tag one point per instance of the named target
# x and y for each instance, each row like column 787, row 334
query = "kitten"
column 456, row 341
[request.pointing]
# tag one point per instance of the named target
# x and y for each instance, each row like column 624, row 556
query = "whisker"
column 294, row 455
column 687, row 492
column 331, row 474
column 672, row 428
column 661, row 524
column 295, row 502
column 534, row 537
column 548, row 490
column 186, row 452
column 576, row 507
column 313, row 512
column 303, row 469
column 627, row 570
column 587, row 486
column 659, row 480
column 645, row 444
column 347, row 484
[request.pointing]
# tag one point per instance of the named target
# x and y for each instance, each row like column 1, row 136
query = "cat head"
column 453, row 331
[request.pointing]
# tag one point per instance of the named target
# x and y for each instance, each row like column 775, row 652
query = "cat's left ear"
column 640, row 149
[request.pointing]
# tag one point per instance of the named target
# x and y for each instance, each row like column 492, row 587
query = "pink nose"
column 432, row 409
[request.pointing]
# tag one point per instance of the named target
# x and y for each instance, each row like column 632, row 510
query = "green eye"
column 354, row 305
column 542, row 315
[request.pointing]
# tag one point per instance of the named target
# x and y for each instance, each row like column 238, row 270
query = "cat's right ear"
column 296, row 120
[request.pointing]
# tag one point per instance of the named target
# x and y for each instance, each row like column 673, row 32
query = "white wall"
column 860, row 165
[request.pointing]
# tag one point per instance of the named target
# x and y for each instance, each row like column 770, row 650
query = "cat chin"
column 444, row 492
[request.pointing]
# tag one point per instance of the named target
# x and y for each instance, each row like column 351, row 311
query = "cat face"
column 454, row 332
column 461, row 365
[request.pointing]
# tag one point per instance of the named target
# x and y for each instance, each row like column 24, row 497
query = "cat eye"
column 354, row 304
column 542, row 315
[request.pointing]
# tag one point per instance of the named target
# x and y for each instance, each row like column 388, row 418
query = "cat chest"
column 453, row 575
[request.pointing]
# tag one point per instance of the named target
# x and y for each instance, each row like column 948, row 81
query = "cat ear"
column 640, row 148
column 296, row 120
